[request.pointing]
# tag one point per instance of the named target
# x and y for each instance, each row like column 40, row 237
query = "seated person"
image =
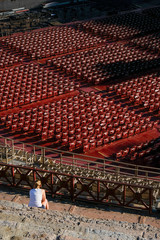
column 38, row 197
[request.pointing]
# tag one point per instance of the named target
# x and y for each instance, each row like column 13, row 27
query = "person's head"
column 38, row 184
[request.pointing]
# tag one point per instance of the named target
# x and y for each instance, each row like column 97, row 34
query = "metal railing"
column 79, row 188
column 14, row 152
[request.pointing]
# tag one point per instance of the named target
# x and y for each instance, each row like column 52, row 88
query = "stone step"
column 68, row 221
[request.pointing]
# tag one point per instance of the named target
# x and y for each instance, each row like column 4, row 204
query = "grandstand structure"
column 80, row 107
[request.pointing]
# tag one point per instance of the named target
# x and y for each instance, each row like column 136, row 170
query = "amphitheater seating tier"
column 84, row 121
column 101, row 64
column 51, row 41
column 147, row 153
column 123, row 26
column 142, row 91
column 52, row 62
column 29, row 83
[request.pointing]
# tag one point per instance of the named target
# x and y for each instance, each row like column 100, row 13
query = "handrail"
column 65, row 174
column 80, row 187
column 79, row 160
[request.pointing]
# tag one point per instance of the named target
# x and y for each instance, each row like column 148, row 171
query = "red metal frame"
column 78, row 188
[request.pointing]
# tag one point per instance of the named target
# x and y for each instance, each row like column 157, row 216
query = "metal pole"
column 43, row 156
column 13, row 176
column 34, row 153
column 104, row 167
column 23, row 151
column 6, row 152
column 61, row 159
column 136, row 171
column 12, row 150
column 72, row 188
column 117, row 171
column 124, row 194
column 150, row 201
column 26, row 157
column 73, row 160
column 146, row 175
column 98, row 189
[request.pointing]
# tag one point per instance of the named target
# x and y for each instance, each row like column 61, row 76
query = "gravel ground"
column 19, row 222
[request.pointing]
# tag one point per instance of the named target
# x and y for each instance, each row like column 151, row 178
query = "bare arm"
column 43, row 195
column 44, row 200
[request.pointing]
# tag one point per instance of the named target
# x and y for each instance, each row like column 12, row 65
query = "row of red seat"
column 7, row 58
column 105, row 62
column 51, row 41
column 87, row 120
column 144, row 153
column 121, row 26
column 153, row 12
column 144, row 90
column 31, row 82
column 120, row 133
column 83, row 121
column 149, row 42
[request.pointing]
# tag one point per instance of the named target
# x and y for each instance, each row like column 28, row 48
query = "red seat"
column 50, row 133
column 131, row 132
column 14, row 127
column 58, row 136
column 85, row 148
column 125, row 134
column 44, row 135
column 78, row 143
column 100, row 142
column 150, row 125
column 137, row 130
column 64, row 141
column 92, row 145
column 112, row 138
column 106, row 140
column 118, row 136
column 72, row 145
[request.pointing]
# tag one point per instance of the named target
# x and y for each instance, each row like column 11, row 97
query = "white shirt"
column 35, row 197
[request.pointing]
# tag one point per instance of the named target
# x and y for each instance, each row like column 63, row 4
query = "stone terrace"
column 67, row 221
